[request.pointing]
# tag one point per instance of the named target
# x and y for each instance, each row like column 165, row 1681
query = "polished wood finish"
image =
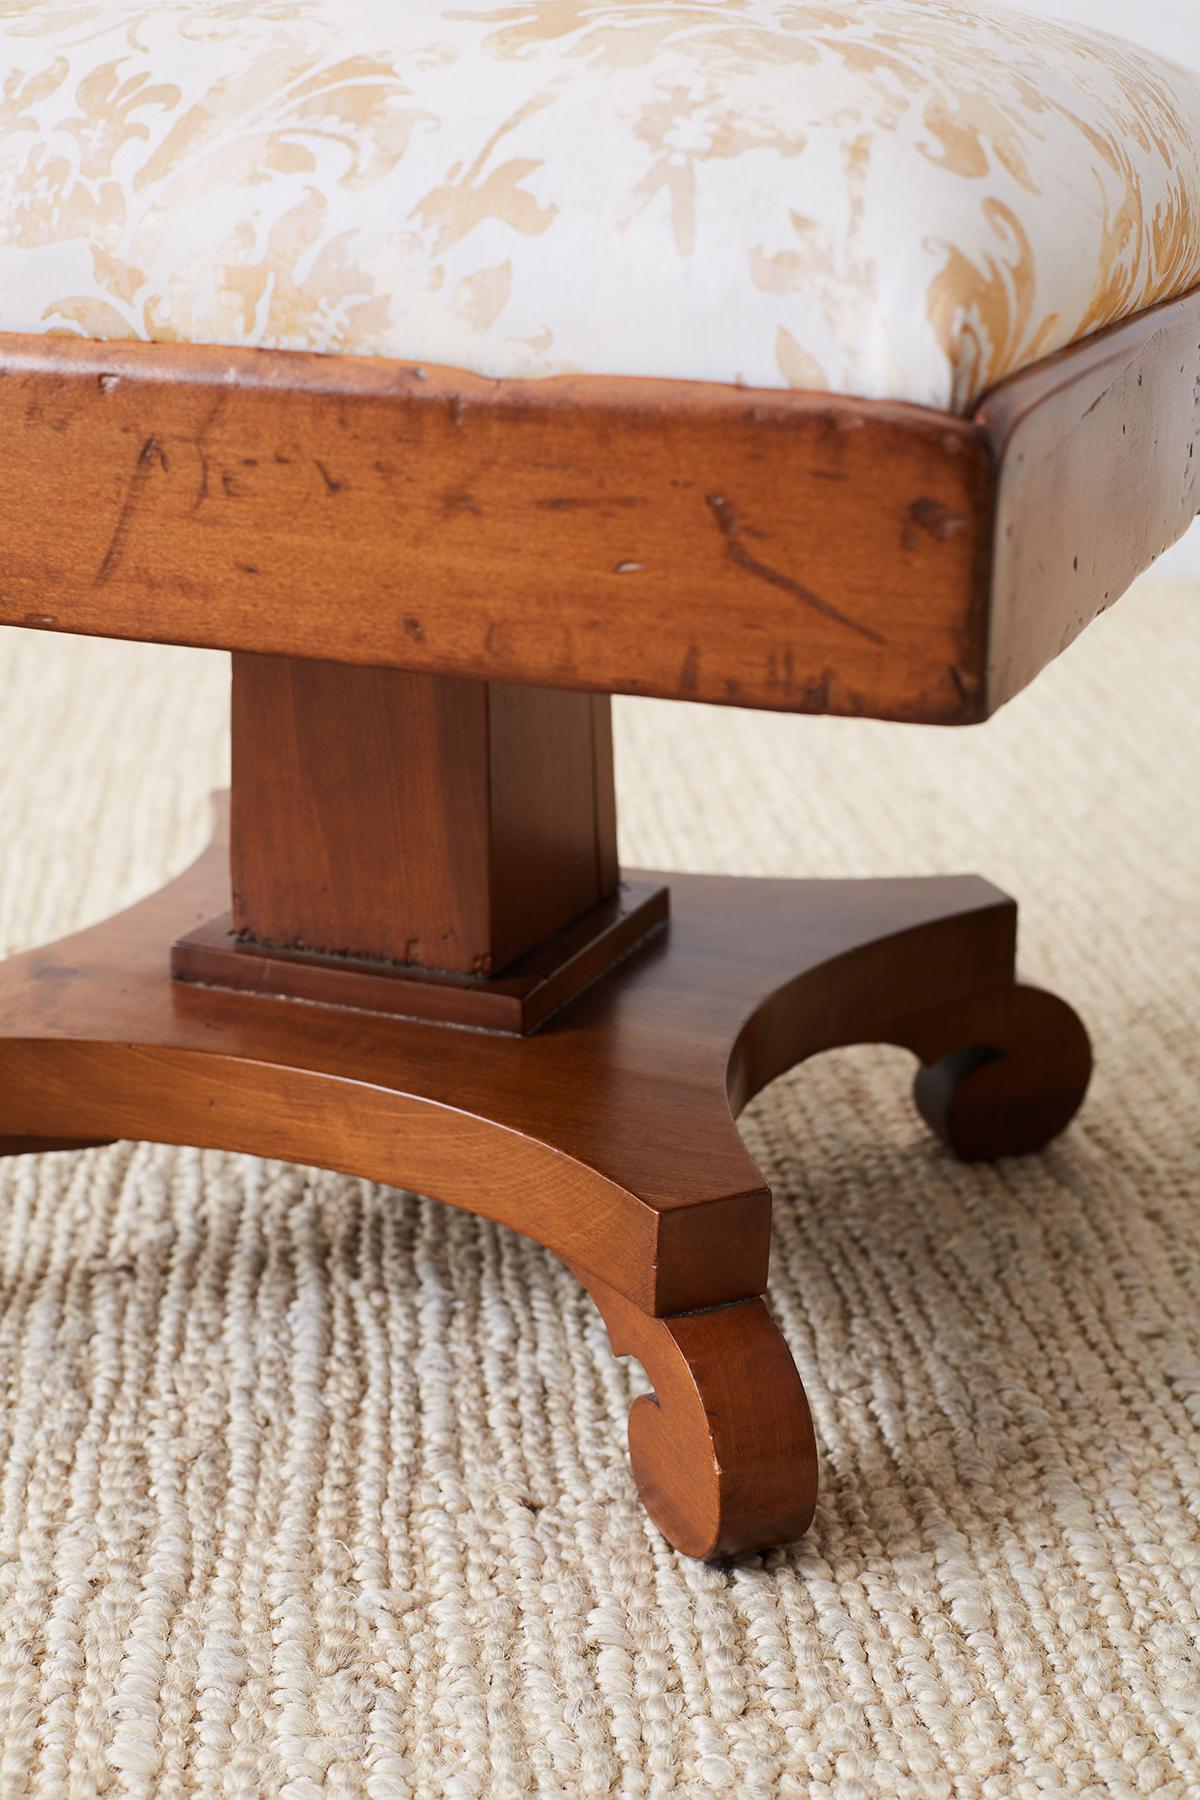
column 765, row 548
column 413, row 819
column 1002, row 1074
column 421, row 845
column 481, row 828
column 792, row 551
column 29, row 1146
column 431, row 583
column 723, row 1454
column 608, row 1136
column 1098, row 458
column 520, row 1000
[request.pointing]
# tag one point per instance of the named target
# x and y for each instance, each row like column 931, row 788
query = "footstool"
column 455, row 367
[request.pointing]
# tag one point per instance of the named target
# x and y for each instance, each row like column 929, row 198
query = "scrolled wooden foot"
column 723, row 1454
column 1004, row 1073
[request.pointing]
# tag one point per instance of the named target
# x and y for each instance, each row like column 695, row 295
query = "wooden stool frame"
column 410, row 953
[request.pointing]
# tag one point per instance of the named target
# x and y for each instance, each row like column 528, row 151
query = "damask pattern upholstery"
column 896, row 199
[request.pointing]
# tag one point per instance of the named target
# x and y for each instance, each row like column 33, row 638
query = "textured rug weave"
column 309, row 1487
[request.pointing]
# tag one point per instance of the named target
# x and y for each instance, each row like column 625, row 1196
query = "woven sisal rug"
column 308, row 1487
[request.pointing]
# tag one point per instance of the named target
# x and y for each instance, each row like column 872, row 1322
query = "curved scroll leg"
column 723, row 1454
column 1003, row 1073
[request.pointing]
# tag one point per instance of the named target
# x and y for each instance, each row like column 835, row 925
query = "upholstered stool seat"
column 894, row 199
column 455, row 366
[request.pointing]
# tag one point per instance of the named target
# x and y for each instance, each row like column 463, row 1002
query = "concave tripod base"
column 608, row 1135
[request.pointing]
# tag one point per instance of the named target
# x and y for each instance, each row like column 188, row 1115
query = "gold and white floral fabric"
column 903, row 199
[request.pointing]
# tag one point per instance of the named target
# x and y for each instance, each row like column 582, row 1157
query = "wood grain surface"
column 609, row 1135
column 767, row 549
column 430, row 821
column 1098, row 459
column 791, row 551
column 723, row 1453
